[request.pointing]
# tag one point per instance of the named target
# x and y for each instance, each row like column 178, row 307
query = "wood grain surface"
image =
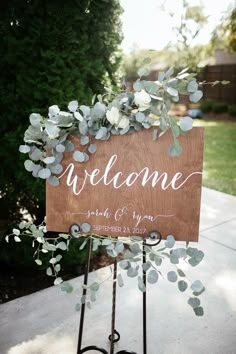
column 139, row 207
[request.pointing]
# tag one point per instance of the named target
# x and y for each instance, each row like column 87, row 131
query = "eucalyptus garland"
column 47, row 138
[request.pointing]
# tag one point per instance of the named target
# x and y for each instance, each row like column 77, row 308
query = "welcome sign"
column 131, row 186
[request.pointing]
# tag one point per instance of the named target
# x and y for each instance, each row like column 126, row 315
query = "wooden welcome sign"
column 131, row 186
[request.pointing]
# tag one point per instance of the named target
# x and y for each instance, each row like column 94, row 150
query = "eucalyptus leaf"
column 57, row 169
column 172, row 276
column 192, row 86
column 35, row 119
column 62, row 246
column 197, row 286
column 141, row 284
column 170, row 241
column 49, row 271
column 49, row 159
column 67, row 287
column 124, row 264
column 120, row 280
column 29, row 165
column 44, row 173
column 186, row 123
column 85, row 227
column 92, row 148
column 172, row 91
column 78, row 156
column 101, row 133
column 132, row 272
column 143, row 72
column 119, row 247
column 194, row 302
column 84, row 139
column 152, row 277
column 58, row 281
column 60, row 148
column 53, row 180
column 198, row 311
column 196, row 96
column 24, row 149
column 175, row 149
column 182, row 285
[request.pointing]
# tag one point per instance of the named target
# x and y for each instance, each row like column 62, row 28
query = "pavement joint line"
column 217, row 242
column 221, row 223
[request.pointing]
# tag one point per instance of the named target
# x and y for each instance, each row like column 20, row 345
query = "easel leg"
column 144, row 304
column 81, row 326
column 113, row 316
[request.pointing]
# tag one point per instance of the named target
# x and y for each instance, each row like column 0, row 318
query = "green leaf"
column 182, row 285
column 169, row 72
column 77, row 307
column 196, row 96
column 67, row 287
column 198, row 311
column 49, row 271
column 54, row 181
column 174, row 259
column 141, row 284
column 96, row 243
column 170, row 241
column 102, row 133
column 16, row 232
column 60, row 148
column 179, row 252
column 62, row 246
column 152, row 277
column 147, row 60
column 78, row 156
column 106, row 242
column 92, row 148
column 24, row 149
column 180, row 273
column 84, row 139
column 119, row 247
column 35, row 119
column 120, row 280
column 85, row 227
column 172, row 276
column 192, row 86
column 132, row 272
column 124, row 264
column 17, row 239
column 94, row 286
column 175, row 149
column 49, row 247
column 194, row 302
column 58, row 281
column 38, row 262
column 158, row 260
column 186, row 123
column 143, row 72
column 154, row 134
column 197, row 286
column 172, row 91
column 44, row 173
column 146, row 266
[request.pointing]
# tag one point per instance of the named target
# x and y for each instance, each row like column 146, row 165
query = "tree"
column 51, row 52
column 191, row 22
column 224, row 35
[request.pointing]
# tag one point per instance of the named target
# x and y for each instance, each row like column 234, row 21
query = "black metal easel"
column 154, row 238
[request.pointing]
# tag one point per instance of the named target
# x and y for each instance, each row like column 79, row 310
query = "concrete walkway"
column 46, row 323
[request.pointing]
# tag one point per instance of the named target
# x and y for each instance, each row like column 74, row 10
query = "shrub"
column 232, row 109
column 219, row 107
column 206, row 106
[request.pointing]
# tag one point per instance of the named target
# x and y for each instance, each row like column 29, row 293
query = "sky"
column 146, row 26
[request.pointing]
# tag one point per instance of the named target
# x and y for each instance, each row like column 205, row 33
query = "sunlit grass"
column 219, row 155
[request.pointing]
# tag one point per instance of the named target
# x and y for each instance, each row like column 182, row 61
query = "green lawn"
column 219, row 155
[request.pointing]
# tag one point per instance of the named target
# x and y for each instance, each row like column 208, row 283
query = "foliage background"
column 51, row 52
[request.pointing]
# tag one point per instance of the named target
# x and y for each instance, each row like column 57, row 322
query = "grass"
column 219, row 155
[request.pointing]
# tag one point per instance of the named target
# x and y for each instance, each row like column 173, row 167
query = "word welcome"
column 143, row 177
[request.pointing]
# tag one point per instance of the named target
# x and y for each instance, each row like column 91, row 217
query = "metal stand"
column 154, row 238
